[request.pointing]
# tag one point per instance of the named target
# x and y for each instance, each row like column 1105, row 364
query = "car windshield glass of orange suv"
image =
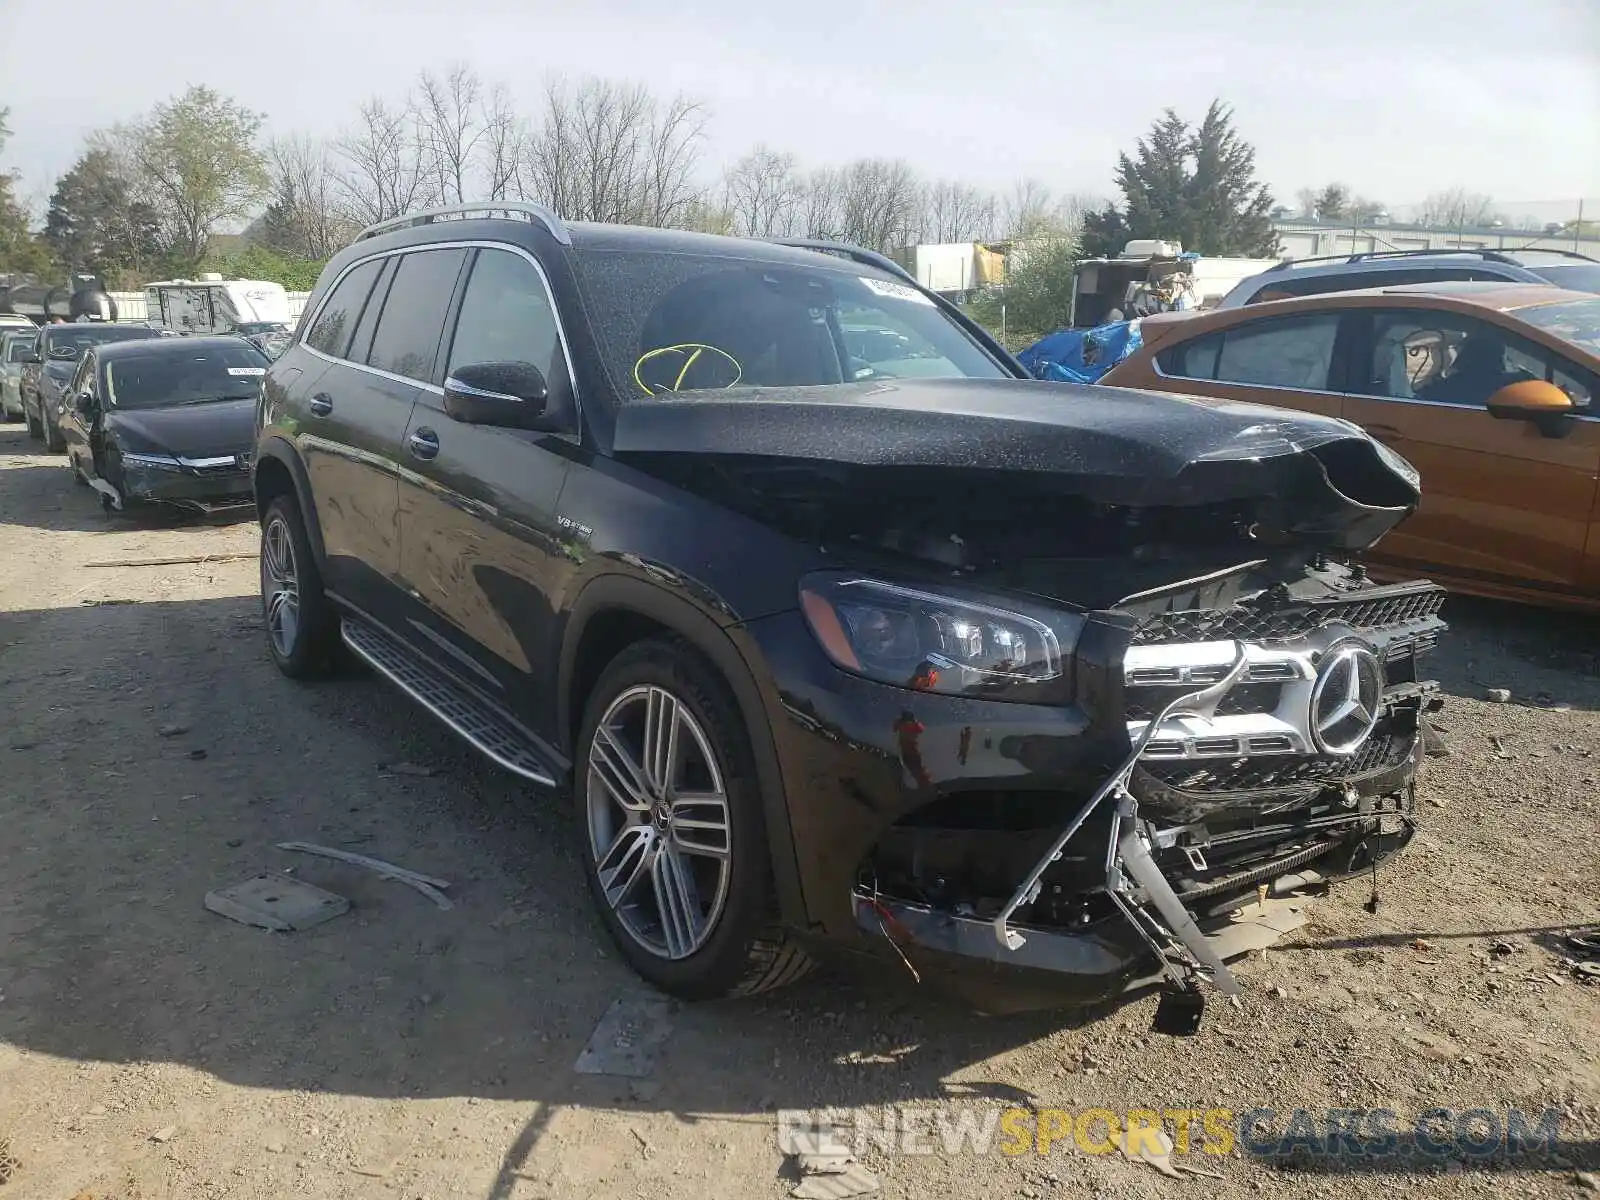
column 685, row 322
column 1577, row 322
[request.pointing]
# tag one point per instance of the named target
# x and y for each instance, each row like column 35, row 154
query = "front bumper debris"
column 1132, row 879
column 205, row 485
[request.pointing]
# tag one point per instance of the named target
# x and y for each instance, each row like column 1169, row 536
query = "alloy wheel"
column 280, row 586
column 659, row 828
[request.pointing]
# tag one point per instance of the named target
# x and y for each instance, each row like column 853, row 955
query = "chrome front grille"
column 1264, row 620
column 1260, row 734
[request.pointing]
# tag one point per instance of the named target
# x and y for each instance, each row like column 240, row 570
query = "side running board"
column 480, row 725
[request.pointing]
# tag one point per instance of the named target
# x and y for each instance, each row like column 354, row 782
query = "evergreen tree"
column 1333, row 202
column 1194, row 185
column 95, row 224
column 20, row 251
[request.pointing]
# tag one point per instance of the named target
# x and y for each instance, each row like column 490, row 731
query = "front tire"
column 671, row 830
column 302, row 626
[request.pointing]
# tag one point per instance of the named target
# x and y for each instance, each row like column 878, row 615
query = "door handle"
column 424, row 443
column 320, row 405
column 1388, row 431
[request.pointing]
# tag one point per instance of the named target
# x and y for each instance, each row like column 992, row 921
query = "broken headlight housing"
column 937, row 641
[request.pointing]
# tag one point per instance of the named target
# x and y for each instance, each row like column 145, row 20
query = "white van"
column 212, row 304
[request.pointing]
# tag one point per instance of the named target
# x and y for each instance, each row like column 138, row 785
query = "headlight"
column 934, row 642
column 164, row 461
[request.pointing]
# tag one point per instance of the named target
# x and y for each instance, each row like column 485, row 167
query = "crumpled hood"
column 1318, row 478
column 207, row 430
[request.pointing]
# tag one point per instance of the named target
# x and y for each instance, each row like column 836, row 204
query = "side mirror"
column 31, row 358
column 1543, row 404
column 1528, row 398
column 85, row 402
column 497, row 393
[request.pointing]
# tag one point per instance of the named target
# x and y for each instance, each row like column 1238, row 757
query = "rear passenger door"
column 348, row 424
column 479, row 548
column 359, row 409
column 1283, row 361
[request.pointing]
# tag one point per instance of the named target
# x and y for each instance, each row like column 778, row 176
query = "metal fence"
column 131, row 306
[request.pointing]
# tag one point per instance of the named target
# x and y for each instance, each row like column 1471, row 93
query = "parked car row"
column 143, row 419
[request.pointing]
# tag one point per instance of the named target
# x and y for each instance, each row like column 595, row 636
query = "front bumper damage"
column 211, row 484
column 1235, row 859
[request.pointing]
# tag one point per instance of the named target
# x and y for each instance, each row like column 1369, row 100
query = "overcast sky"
column 1397, row 99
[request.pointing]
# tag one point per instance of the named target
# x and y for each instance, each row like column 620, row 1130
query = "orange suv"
column 1487, row 388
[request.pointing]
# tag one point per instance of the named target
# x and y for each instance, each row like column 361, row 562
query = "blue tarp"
column 1081, row 355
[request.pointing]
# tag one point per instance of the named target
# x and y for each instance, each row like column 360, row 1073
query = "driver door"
column 1502, row 500
column 76, row 421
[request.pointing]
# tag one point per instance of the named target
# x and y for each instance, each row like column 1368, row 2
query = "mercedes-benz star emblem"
column 1346, row 699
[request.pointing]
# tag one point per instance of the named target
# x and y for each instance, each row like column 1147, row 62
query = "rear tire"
column 35, row 430
column 302, row 625
column 649, row 835
column 52, row 435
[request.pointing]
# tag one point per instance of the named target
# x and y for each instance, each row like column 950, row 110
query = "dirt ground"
column 150, row 1049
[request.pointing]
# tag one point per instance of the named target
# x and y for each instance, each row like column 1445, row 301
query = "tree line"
column 150, row 196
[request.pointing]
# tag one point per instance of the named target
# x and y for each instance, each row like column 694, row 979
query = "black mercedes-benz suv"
column 994, row 679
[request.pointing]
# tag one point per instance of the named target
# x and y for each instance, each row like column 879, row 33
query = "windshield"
column 76, row 337
column 247, row 328
column 180, row 375
column 1576, row 277
column 685, row 322
column 1577, row 322
column 17, row 348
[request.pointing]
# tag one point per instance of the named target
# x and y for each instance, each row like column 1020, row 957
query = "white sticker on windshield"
column 895, row 291
column 247, row 370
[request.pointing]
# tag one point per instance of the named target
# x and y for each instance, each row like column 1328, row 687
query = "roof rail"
column 466, row 212
column 1483, row 252
column 867, row 258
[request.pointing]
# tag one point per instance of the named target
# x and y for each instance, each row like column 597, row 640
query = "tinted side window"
column 506, row 316
column 1292, row 352
column 408, row 332
column 331, row 333
column 361, row 343
column 1446, row 358
column 1191, row 360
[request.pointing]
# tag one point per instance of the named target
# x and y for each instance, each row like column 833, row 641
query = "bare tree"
column 677, row 131
column 880, row 203
column 764, row 193
column 1456, row 208
column 501, row 143
column 822, row 204
column 307, row 214
column 1032, row 210
column 450, row 124
column 386, row 165
column 607, row 151
column 1306, row 203
column 957, row 212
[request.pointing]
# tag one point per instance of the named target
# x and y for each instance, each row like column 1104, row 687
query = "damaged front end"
column 207, row 484
column 1239, row 712
column 1272, row 744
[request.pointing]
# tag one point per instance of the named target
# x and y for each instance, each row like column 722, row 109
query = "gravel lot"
column 401, row 1050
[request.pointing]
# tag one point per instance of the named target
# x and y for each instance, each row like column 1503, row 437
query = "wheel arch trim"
column 279, row 450
column 720, row 645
